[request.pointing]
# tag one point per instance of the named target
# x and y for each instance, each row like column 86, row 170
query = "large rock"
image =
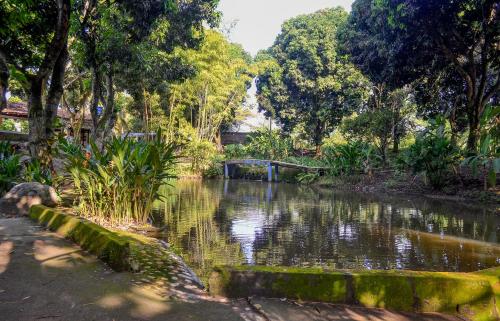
column 20, row 198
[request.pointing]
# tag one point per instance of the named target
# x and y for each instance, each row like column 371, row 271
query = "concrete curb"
column 471, row 295
column 105, row 244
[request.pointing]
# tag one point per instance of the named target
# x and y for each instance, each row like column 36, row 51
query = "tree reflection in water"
column 241, row 222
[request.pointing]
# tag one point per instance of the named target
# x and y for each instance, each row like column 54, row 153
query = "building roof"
column 20, row 110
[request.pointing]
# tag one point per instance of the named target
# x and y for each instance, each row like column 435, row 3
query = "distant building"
column 19, row 112
column 229, row 138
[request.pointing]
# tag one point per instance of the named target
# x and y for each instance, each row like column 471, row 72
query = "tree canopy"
column 306, row 80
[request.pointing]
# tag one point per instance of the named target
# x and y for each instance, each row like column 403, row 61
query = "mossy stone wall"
column 108, row 246
column 472, row 295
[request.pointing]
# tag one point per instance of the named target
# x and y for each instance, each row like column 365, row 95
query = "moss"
column 97, row 240
column 472, row 295
column 385, row 290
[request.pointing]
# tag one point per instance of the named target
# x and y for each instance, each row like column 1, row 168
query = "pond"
column 236, row 222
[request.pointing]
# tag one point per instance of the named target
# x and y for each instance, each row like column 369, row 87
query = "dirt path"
column 44, row 277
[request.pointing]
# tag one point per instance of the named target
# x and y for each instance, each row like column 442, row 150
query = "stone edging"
column 475, row 296
column 106, row 245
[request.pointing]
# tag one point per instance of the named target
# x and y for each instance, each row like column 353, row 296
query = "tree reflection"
column 241, row 222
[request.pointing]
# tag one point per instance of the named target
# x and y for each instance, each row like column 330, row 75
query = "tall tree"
column 422, row 38
column 213, row 97
column 33, row 50
column 310, row 82
column 112, row 31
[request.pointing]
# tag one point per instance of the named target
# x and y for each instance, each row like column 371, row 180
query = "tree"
column 427, row 37
column 442, row 94
column 213, row 97
column 33, row 50
column 385, row 124
column 113, row 33
column 308, row 81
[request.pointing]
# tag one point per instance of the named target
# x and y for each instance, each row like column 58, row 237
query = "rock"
column 20, row 198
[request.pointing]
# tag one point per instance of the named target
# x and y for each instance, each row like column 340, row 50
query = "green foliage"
column 201, row 153
column 487, row 159
column 307, row 178
column 121, row 182
column 210, row 100
column 305, row 81
column 10, row 167
column 35, row 172
column 350, row 158
column 235, row 151
column 215, row 168
column 432, row 154
column 265, row 144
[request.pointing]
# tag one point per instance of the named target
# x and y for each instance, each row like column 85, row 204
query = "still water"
column 235, row 222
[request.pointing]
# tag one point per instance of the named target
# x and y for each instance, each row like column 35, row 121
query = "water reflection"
column 242, row 222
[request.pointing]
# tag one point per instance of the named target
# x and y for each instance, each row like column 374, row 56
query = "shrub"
column 265, row 144
column 432, row 154
column 121, row 182
column 487, row 159
column 10, row 168
column 350, row 158
column 201, row 153
column 235, row 151
column 35, row 172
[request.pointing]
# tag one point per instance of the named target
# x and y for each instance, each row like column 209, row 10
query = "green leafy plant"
column 432, row 154
column 487, row 159
column 235, row 151
column 266, row 144
column 120, row 182
column 10, row 168
column 201, row 153
column 350, row 158
column 35, row 172
column 307, row 177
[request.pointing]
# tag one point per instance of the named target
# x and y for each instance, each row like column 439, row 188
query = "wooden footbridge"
column 270, row 164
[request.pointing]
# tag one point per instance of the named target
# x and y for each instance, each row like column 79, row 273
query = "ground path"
column 44, row 277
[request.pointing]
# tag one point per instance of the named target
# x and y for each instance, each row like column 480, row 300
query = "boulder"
column 20, row 198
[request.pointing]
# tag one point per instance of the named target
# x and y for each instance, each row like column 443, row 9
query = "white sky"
column 259, row 21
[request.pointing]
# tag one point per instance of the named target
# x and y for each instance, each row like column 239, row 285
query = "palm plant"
column 120, row 182
column 10, row 166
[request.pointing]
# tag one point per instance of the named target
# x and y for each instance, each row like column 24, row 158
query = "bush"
column 235, row 151
column 35, row 172
column 432, row 154
column 121, row 182
column 350, row 158
column 9, row 172
column 201, row 153
column 265, row 144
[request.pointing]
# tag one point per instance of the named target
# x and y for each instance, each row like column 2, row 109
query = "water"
column 243, row 222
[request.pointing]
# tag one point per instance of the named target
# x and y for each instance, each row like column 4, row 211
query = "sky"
column 258, row 22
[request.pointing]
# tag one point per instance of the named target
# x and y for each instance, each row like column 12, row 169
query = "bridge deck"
column 271, row 163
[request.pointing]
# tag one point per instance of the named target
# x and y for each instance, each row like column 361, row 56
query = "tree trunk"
column 318, row 137
column 107, row 120
column 36, row 118
column 473, row 116
column 4, row 81
column 54, row 95
column 96, row 94
column 42, row 119
column 395, row 144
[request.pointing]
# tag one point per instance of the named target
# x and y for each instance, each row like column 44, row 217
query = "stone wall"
column 471, row 295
